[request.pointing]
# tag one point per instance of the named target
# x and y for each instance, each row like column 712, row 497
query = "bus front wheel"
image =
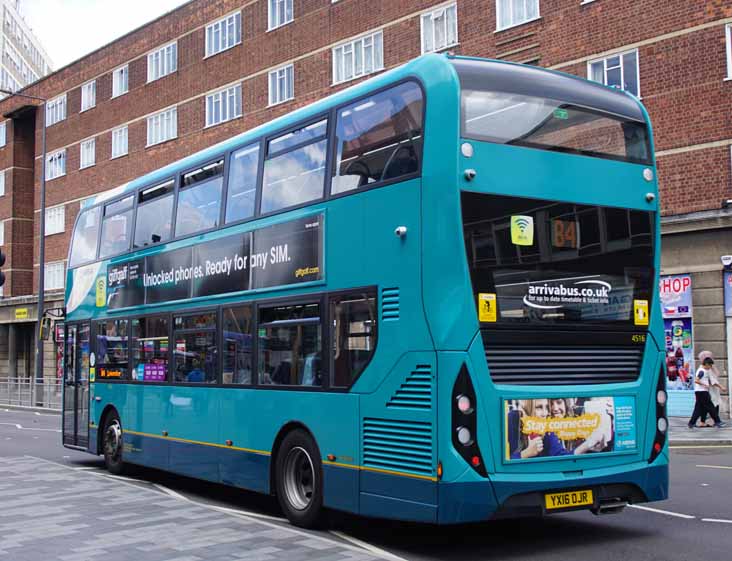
column 112, row 445
column 299, row 480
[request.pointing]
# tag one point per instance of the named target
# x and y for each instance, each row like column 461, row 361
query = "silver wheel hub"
column 299, row 478
column 113, row 440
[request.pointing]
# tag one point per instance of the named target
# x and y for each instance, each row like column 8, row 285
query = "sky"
column 70, row 29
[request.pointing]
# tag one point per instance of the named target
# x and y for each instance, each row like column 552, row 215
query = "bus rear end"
column 558, row 403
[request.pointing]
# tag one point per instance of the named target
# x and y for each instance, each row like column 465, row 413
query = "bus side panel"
column 398, row 435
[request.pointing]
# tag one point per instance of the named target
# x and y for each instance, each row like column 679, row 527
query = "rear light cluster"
column 661, row 419
column 465, row 422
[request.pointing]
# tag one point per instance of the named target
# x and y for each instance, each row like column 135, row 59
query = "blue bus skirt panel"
column 523, row 496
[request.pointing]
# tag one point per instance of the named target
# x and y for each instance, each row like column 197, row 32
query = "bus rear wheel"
column 112, row 445
column 299, row 480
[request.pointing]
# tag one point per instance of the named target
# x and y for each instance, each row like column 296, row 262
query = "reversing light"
column 662, row 424
column 464, row 404
column 661, row 397
column 464, row 436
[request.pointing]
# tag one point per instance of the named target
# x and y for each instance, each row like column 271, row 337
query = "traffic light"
column 2, row 262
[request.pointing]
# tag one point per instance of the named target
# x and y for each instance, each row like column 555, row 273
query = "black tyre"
column 299, row 480
column 112, row 444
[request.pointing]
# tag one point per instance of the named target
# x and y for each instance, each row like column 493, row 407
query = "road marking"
column 719, row 520
column 713, row 467
column 666, row 512
column 367, row 546
column 685, row 447
column 21, row 427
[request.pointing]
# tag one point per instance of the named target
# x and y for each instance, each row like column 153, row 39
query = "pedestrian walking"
column 715, row 388
column 702, row 383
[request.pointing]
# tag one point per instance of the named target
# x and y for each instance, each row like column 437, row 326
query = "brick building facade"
column 675, row 54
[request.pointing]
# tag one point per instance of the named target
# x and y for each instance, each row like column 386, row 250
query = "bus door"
column 76, row 386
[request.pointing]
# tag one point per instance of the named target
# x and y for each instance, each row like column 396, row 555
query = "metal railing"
column 25, row 392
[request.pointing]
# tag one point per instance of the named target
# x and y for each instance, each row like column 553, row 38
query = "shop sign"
column 728, row 293
column 21, row 313
column 677, row 308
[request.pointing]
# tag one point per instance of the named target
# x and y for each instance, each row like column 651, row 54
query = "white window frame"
column 166, row 63
column 224, row 35
column 156, row 126
column 222, row 98
column 432, row 14
column 728, row 33
column 117, row 136
column 88, row 96
column 350, row 49
column 121, row 71
column 55, row 110
column 56, row 164
column 273, row 21
column 91, row 146
column 55, row 222
column 2, row 183
column 275, row 97
column 50, row 280
column 2, row 234
column 620, row 55
column 3, row 133
column 515, row 23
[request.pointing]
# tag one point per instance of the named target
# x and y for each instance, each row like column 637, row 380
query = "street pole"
column 42, row 244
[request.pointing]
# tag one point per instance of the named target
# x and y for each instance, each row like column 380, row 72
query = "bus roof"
column 507, row 75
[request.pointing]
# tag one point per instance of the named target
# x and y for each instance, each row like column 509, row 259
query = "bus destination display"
column 278, row 255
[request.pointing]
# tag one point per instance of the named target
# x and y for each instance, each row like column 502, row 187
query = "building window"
column 120, row 81
column 3, row 134
column 280, row 13
column 2, row 232
column 620, row 71
column 2, row 183
column 223, row 34
column 439, row 29
column 162, row 126
column 223, row 105
column 516, row 12
column 358, row 58
column 55, row 110
column 56, row 164
column 281, row 84
column 119, row 142
column 162, row 62
column 55, row 220
column 87, row 153
column 54, row 276
column 728, row 31
column 88, row 95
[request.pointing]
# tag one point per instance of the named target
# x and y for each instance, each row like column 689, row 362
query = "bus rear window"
column 548, row 124
column 86, row 236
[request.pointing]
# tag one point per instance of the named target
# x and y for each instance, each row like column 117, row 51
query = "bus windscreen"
column 548, row 124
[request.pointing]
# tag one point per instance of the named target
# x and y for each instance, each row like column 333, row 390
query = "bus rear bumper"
column 474, row 502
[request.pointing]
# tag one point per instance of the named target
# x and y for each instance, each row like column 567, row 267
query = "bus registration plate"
column 572, row 499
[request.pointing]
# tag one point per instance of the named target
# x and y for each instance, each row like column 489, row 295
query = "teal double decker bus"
column 430, row 297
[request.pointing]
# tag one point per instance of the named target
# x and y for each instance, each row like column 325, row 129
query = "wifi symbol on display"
column 522, row 223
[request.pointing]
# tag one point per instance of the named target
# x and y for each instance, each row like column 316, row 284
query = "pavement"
column 61, row 505
column 681, row 435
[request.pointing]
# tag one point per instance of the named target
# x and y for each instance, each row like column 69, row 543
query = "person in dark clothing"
column 702, row 383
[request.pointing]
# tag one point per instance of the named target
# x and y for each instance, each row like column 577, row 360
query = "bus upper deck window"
column 379, row 138
column 84, row 245
column 154, row 214
column 242, row 187
column 116, row 226
column 294, row 169
column 199, row 199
